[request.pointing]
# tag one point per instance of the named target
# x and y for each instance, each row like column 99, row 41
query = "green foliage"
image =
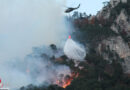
column 32, row 87
column 93, row 33
column 97, row 74
column 54, row 87
column 97, row 78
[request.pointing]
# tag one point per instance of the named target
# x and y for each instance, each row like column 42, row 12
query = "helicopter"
column 70, row 9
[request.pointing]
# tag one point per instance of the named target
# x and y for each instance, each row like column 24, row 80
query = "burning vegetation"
column 94, row 73
column 66, row 81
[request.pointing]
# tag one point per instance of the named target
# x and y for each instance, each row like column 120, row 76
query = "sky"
column 88, row 6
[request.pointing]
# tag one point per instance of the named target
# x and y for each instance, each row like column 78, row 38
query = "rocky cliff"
column 117, row 12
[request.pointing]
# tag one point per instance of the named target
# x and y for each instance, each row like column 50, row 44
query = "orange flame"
column 67, row 80
column 67, row 83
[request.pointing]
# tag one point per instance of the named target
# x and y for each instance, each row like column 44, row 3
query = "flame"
column 67, row 80
column 67, row 83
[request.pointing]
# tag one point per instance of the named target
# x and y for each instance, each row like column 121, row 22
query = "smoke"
column 25, row 24
column 28, row 23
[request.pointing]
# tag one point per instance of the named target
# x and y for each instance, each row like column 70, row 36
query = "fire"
column 66, row 81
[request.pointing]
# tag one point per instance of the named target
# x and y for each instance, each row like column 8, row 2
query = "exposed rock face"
column 115, row 2
column 116, row 44
column 120, row 44
column 123, row 23
column 105, row 12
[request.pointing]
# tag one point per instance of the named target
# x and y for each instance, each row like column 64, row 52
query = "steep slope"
column 106, row 36
column 118, row 12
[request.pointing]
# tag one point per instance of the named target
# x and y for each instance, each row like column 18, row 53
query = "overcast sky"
column 88, row 6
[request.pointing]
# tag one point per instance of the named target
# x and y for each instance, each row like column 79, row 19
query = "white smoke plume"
column 25, row 24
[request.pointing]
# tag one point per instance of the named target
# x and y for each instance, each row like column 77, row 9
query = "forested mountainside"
column 107, row 38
